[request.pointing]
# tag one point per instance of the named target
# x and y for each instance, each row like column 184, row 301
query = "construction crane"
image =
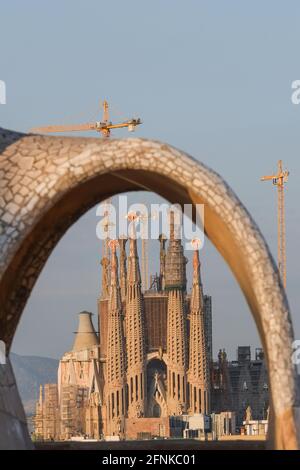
column 105, row 260
column 106, row 227
column 104, row 127
column 279, row 180
column 133, row 216
column 143, row 219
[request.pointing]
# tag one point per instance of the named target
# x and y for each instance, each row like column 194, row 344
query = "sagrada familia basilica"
column 150, row 366
column 150, row 360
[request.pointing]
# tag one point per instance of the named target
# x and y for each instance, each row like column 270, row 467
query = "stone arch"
column 48, row 182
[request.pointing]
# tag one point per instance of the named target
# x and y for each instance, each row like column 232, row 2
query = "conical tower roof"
column 198, row 360
column 86, row 336
column 133, row 269
column 197, row 293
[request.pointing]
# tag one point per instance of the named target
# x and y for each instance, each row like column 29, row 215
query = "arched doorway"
column 157, row 388
column 48, row 182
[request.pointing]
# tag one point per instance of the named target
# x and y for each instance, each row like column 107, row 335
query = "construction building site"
column 149, row 371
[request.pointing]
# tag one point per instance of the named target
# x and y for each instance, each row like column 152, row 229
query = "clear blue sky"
column 210, row 77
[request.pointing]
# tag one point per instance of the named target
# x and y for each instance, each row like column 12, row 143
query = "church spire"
column 198, row 373
column 133, row 274
column 175, row 284
column 123, row 267
column 105, row 278
column 175, row 262
column 135, row 337
column 116, row 359
column 162, row 259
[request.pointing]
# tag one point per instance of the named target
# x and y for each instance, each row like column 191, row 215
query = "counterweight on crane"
column 279, row 180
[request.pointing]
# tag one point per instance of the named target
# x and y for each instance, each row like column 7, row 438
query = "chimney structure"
column 198, row 373
column 86, row 337
column 175, row 284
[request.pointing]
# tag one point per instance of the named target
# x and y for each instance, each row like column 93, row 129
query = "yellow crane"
column 279, row 180
column 106, row 224
column 105, row 260
column 143, row 219
column 104, row 127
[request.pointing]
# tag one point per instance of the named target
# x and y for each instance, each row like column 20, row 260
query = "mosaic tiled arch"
column 47, row 183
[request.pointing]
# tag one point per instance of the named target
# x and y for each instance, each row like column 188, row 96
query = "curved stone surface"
column 13, row 425
column 47, row 182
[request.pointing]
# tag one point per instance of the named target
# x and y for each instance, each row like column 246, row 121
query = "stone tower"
column 198, row 373
column 162, row 259
column 135, row 337
column 116, row 359
column 123, row 268
column 39, row 419
column 175, row 284
column 105, row 278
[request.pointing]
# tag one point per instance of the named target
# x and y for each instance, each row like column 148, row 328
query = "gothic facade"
column 155, row 346
column 151, row 359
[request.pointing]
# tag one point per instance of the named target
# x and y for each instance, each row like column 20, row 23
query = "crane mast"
column 144, row 218
column 279, row 180
column 105, row 260
column 145, row 265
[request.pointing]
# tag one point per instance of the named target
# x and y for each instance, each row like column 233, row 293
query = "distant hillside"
column 31, row 372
